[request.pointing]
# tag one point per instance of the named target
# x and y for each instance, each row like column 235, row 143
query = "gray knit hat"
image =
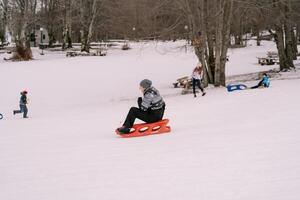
column 146, row 83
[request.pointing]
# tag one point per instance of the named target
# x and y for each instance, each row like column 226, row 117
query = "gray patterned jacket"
column 152, row 100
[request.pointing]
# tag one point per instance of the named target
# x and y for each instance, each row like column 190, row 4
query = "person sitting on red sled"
column 150, row 109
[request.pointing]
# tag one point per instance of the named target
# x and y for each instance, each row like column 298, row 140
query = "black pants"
column 146, row 116
column 258, row 85
column 23, row 109
column 197, row 82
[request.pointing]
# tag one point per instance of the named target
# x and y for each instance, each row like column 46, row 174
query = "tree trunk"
column 50, row 9
column 283, row 35
column 239, row 40
column 222, row 41
column 87, row 31
column 204, row 59
column 289, row 50
column 211, row 56
column 23, row 50
column 51, row 38
column 219, row 38
column 226, row 39
column 4, row 20
column 257, row 34
column 67, row 41
column 279, row 39
column 294, row 44
column 298, row 33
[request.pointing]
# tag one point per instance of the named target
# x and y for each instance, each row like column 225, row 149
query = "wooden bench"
column 182, row 82
column 97, row 52
column 271, row 59
column 101, row 52
column 71, row 54
column 266, row 61
column 272, row 54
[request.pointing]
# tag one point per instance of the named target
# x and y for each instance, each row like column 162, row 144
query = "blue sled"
column 231, row 88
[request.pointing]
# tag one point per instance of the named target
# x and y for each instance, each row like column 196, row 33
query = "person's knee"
column 133, row 109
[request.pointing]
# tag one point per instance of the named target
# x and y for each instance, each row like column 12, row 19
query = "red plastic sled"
column 147, row 129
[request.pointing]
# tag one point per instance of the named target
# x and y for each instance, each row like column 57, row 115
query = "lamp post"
column 186, row 28
column 134, row 32
column 41, row 43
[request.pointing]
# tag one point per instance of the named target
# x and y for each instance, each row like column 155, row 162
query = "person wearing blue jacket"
column 23, row 105
column 150, row 108
column 265, row 82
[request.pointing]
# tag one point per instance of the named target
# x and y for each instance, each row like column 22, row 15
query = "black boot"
column 124, row 130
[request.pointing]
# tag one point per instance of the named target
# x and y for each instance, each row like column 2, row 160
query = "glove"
column 139, row 101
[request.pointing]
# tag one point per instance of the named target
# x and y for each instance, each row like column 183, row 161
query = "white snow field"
column 243, row 145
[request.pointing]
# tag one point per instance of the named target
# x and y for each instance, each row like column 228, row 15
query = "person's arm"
column 201, row 74
column 192, row 75
column 195, row 74
column 24, row 99
column 146, row 102
column 140, row 99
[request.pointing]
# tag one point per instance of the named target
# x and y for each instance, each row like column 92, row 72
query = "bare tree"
column 4, row 20
column 283, row 33
column 211, row 33
column 23, row 12
column 51, row 18
column 67, row 40
column 89, row 9
column 208, row 23
column 222, row 40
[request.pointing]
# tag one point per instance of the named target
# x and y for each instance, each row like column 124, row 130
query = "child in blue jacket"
column 23, row 105
column 265, row 82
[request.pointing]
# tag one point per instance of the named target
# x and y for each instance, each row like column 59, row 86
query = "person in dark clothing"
column 150, row 109
column 265, row 82
column 23, row 105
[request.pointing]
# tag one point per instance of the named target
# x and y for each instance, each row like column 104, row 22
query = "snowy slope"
column 225, row 146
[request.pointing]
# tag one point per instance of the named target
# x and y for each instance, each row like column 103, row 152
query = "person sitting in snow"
column 150, row 108
column 197, row 78
column 23, row 105
column 265, row 82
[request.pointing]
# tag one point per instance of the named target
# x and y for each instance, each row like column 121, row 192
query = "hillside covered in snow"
column 242, row 145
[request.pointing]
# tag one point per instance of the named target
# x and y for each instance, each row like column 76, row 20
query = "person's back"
column 266, row 81
column 22, row 104
column 23, row 98
column 152, row 100
column 197, row 76
column 197, row 73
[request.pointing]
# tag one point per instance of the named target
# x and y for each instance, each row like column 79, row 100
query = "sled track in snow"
column 243, row 78
column 275, row 75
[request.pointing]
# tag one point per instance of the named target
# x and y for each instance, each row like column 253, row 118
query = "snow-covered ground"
column 224, row 146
